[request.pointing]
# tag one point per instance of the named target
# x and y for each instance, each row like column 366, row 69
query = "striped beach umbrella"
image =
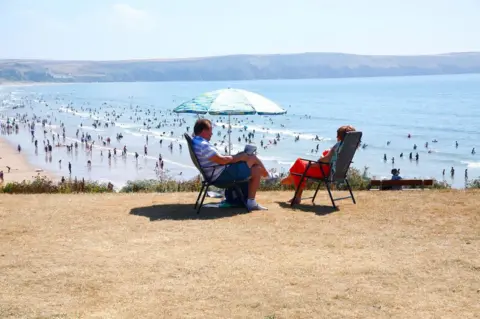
column 230, row 102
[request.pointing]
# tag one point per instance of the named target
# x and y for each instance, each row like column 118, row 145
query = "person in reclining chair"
column 329, row 156
column 236, row 167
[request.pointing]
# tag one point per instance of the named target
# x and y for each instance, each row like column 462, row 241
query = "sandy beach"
column 20, row 168
column 394, row 254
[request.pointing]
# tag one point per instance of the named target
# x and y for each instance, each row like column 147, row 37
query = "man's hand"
column 240, row 157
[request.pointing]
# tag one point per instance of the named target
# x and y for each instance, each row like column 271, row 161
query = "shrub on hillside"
column 358, row 181
column 42, row 185
column 441, row 185
column 165, row 185
column 473, row 184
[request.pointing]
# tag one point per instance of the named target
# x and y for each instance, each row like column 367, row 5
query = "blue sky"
column 136, row 29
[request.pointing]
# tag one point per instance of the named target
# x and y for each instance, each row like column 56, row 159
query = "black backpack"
column 231, row 196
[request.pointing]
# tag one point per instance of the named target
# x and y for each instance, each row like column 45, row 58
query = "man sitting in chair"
column 237, row 167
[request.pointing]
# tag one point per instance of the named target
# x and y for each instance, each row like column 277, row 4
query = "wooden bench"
column 388, row 184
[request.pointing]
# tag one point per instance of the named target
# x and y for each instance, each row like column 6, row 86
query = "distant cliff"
column 239, row 67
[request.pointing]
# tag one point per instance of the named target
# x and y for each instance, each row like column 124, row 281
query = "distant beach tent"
column 230, row 102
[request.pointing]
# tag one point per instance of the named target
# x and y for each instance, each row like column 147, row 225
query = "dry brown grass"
column 395, row 254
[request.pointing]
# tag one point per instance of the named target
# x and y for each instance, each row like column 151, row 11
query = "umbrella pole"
column 229, row 133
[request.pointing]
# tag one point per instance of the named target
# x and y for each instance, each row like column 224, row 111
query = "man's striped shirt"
column 204, row 151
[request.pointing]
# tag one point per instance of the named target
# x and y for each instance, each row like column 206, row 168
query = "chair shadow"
column 184, row 212
column 320, row 210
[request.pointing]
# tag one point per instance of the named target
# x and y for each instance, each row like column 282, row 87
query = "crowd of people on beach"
column 51, row 133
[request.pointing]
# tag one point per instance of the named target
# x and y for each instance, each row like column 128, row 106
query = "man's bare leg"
column 254, row 182
column 254, row 160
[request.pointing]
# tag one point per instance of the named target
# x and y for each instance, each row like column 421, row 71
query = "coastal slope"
column 410, row 254
column 239, row 67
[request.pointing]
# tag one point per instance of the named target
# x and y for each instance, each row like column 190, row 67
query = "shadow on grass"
column 320, row 210
column 184, row 212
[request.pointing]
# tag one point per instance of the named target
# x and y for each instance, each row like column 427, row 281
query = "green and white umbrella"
column 230, row 102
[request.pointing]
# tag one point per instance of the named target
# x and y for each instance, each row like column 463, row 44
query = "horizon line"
column 234, row 55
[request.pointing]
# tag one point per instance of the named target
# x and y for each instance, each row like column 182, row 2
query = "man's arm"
column 223, row 160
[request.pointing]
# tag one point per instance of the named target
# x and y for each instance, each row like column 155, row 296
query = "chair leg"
column 330, row 194
column 242, row 197
column 203, row 198
column 297, row 189
column 198, row 197
column 316, row 191
column 350, row 190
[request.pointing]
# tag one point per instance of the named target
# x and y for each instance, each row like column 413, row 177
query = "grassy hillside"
column 410, row 254
column 239, row 67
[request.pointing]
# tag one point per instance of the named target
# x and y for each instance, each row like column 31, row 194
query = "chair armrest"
column 308, row 160
column 219, row 165
column 317, row 162
column 215, row 167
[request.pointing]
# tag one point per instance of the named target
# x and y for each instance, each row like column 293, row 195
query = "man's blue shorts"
column 234, row 172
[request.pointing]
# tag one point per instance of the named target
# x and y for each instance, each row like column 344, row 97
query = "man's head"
column 203, row 128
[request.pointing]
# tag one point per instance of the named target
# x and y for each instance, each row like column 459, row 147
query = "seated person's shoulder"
column 198, row 141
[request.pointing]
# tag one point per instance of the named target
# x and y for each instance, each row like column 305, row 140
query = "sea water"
column 445, row 109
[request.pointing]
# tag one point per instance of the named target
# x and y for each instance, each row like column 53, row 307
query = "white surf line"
column 101, row 147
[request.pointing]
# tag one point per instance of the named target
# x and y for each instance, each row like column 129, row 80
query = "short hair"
column 343, row 130
column 200, row 125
